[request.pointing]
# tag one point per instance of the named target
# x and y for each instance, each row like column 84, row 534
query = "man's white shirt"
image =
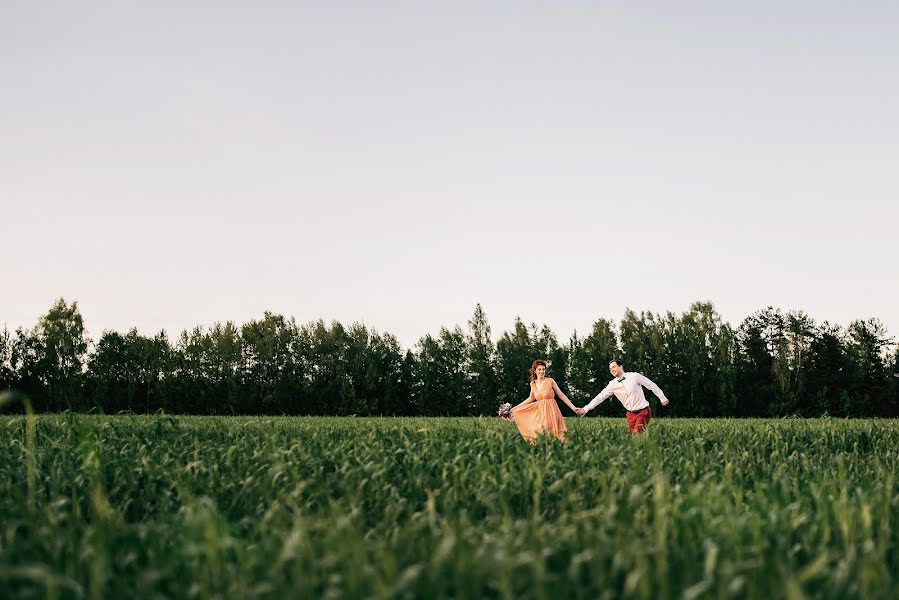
column 629, row 390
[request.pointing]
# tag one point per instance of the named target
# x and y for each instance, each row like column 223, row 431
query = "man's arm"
column 652, row 387
column 599, row 399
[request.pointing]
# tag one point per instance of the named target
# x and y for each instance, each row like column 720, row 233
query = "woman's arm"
column 527, row 400
column 564, row 398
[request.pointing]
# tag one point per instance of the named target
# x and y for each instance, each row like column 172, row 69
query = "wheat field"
column 234, row 507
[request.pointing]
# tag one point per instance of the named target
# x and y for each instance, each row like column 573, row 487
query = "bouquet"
column 505, row 411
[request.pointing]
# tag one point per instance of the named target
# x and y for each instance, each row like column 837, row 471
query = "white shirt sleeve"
column 651, row 386
column 600, row 398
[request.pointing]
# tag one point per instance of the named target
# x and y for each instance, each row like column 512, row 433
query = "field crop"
column 214, row 507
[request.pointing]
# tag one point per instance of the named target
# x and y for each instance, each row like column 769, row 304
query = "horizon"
column 496, row 332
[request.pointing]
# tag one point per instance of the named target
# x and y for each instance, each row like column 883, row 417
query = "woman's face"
column 541, row 371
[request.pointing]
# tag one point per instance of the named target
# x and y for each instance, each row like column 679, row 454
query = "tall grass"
column 212, row 507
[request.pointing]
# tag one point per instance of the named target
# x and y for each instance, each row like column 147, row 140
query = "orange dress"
column 542, row 416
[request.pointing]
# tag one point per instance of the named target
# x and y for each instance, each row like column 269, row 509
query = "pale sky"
column 169, row 164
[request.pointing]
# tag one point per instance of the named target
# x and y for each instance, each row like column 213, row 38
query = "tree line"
column 774, row 363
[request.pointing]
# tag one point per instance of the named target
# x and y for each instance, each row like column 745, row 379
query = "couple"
column 539, row 414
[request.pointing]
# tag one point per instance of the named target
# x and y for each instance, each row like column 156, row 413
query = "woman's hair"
column 534, row 366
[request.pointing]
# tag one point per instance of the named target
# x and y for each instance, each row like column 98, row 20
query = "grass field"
column 206, row 507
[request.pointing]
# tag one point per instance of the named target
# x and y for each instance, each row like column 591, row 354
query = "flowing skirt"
column 542, row 417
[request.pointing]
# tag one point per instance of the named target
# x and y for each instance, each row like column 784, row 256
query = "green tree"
column 869, row 381
column 440, row 374
column 373, row 365
column 61, row 346
column 480, row 359
column 642, row 343
column 125, row 371
column 514, row 355
column 698, row 372
column 544, row 344
column 325, row 371
column 223, row 363
column 827, row 371
column 271, row 383
column 189, row 389
column 386, row 377
column 25, row 354
column 758, row 338
column 589, row 364
column 7, row 373
column 791, row 349
column 894, row 384
column 404, row 402
column 725, row 366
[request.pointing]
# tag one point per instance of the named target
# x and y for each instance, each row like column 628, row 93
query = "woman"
column 540, row 414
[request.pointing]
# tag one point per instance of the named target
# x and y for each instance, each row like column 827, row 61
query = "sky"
column 172, row 164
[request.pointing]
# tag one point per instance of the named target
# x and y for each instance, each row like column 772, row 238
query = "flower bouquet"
column 505, row 412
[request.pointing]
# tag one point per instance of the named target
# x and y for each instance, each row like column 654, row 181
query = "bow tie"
column 620, row 380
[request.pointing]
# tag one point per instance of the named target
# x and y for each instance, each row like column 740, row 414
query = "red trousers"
column 637, row 421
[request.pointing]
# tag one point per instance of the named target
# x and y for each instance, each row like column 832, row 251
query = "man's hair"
column 617, row 362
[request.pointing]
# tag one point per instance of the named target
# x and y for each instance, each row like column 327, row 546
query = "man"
column 628, row 388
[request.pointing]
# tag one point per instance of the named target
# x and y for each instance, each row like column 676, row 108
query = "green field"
column 205, row 507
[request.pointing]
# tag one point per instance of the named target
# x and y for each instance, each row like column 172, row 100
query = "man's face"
column 616, row 370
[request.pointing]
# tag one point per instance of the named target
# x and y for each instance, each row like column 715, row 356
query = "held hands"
column 664, row 402
column 580, row 412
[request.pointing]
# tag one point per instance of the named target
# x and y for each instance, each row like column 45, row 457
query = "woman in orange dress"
column 539, row 414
